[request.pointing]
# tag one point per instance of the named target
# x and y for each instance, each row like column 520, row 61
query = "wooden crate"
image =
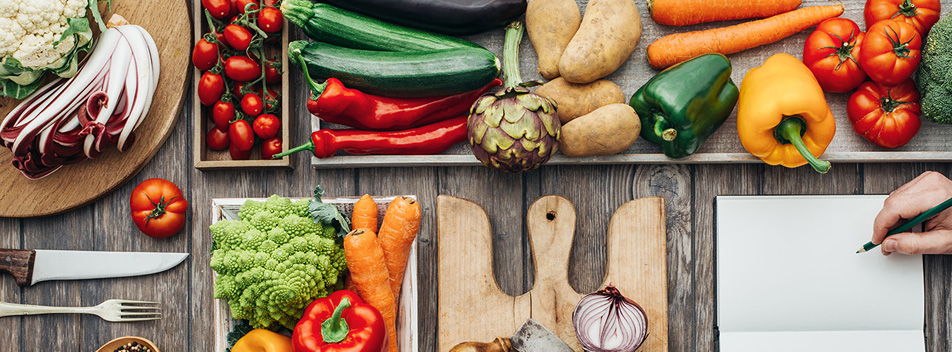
column 206, row 159
column 408, row 337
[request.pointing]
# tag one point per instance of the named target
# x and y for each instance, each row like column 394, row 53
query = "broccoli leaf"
column 93, row 6
column 10, row 89
column 76, row 27
column 239, row 330
column 328, row 213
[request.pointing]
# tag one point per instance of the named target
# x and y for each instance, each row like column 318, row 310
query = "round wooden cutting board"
column 79, row 184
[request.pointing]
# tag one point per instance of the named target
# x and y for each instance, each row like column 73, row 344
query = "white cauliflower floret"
column 28, row 29
column 10, row 34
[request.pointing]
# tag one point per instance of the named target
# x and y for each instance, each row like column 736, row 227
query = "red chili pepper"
column 425, row 140
column 338, row 323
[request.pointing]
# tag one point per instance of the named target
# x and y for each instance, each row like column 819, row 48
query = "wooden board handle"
column 19, row 263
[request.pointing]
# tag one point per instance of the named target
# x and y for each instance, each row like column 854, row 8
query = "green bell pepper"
column 682, row 106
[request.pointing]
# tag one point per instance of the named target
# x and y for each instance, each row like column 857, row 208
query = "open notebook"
column 788, row 278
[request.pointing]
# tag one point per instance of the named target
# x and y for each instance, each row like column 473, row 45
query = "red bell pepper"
column 885, row 115
column 429, row 139
column 341, row 322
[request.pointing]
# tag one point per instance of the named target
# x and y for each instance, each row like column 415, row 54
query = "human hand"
column 908, row 201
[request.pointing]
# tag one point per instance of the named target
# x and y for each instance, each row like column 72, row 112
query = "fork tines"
column 139, row 310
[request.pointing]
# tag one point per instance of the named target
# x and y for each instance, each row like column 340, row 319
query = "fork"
column 113, row 310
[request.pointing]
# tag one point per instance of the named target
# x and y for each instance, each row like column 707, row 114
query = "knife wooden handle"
column 19, row 263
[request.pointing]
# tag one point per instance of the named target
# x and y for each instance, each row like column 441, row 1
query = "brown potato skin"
column 606, row 131
column 551, row 25
column 575, row 100
column 608, row 35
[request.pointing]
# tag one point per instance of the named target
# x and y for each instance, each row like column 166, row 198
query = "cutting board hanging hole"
column 550, row 215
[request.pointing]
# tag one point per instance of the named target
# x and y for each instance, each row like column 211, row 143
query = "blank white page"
column 789, row 278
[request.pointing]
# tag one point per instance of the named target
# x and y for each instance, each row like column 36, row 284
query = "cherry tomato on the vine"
column 205, row 55
column 158, row 208
column 921, row 14
column 271, row 74
column 832, row 51
column 890, row 53
column 885, row 115
column 270, row 20
column 218, row 8
column 210, row 88
column 266, row 126
column 252, row 104
column 237, row 37
column 217, row 139
column 223, row 113
column 238, row 154
column 242, row 3
column 270, row 147
column 242, row 68
column 241, row 135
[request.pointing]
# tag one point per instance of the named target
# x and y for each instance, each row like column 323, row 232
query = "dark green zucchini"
column 453, row 17
column 329, row 24
column 399, row 74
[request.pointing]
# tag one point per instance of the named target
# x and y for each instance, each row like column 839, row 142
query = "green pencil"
column 908, row 225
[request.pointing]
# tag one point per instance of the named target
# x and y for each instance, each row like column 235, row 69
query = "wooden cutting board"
column 75, row 185
column 473, row 308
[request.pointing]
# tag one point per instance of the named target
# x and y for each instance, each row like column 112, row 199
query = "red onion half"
column 606, row 321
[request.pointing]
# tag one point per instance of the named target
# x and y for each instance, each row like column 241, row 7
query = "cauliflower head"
column 274, row 260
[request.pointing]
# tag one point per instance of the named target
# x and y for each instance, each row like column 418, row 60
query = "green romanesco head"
column 935, row 73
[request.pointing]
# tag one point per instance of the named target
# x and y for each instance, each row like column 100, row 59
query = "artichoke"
column 513, row 130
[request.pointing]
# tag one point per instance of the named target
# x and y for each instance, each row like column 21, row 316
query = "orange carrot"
column 349, row 285
column 687, row 12
column 397, row 233
column 365, row 214
column 675, row 48
column 368, row 269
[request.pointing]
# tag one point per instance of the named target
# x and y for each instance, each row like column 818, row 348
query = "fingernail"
column 891, row 245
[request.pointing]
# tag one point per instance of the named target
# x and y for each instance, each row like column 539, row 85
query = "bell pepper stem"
column 790, row 131
column 662, row 130
column 335, row 329
column 306, row 146
column 510, row 54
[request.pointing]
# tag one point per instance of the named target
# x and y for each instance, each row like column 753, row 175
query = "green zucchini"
column 399, row 74
column 329, row 24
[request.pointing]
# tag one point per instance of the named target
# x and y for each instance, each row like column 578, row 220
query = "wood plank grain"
column 842, row 179
column 10, row 328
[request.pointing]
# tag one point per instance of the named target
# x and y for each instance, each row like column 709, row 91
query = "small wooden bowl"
column 114, row 344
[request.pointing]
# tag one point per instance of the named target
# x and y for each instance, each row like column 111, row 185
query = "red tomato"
column 890, row 52
column 885, row 115
column 221, row 37
column 921, row 14
column 252, row 104
column 237, row 37
column 242, row 3
column 218, row 8
column 270, row 147
column 222, row 114
column 210, row 88
column 238, row 154
column 270, row 20
column 271, row 95
column 831, row 52
column 217, row 139
column 271, row 74
column 242, row 68
column 270, row 2
column 205, row 55
column 241, row 135
column 267, row 126
column 158, row 208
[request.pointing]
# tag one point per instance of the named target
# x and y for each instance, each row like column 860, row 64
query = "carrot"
column 687, row 12
column 365, row 214
column 397, row 233
column 675, row 48
column 368, row 269
column 349, row 285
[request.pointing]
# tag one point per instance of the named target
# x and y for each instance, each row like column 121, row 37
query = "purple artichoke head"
column 514, row 130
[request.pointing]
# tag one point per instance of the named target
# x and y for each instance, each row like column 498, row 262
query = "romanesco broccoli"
column 935, row 73
column 274, row 261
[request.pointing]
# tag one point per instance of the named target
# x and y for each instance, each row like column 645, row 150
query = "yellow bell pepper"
column 782, row 115
column 261, row 340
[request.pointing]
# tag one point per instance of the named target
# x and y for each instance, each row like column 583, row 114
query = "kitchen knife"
column 31, row 266
column 531, row 337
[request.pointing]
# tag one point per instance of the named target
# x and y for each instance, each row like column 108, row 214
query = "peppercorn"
column 133, row 347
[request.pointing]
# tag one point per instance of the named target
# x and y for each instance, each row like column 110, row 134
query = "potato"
column 608, row 130
column 575, row 100
column 551, row 25
column 608, row 35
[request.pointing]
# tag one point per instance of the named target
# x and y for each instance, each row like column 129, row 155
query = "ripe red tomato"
column 890, row 52
column 271, row 95
column 237, row 37
column 252, row 104
column 238, row 154
column 271, row 74
column 270, row 147
column 242, row 3
column 205, row 55
column 921, row 14
column 267, row 126
column 885, row 115
column 270, row 2
column 210, row 88
column 270, row 20
column 218, row 8
column 242, row 68
column 222, row 114
column 831, row 52
column 241, row 135
column 158, row 208
column 217, row 139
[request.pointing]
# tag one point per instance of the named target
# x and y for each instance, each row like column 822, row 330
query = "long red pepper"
column 425, row 140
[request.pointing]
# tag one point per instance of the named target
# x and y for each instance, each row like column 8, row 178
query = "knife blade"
column 531, row 337
column 29, row 267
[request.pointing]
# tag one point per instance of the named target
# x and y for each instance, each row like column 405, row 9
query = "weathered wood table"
column 186, row 291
